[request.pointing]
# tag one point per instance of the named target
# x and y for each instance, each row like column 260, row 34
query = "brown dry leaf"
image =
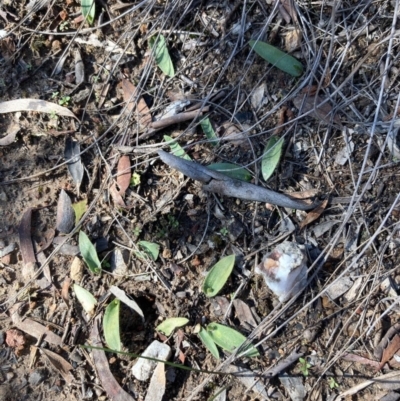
column 25, row 239
column 33, row 328
column 243, row 313
column 129, row 94
column 110, row 385
column 103, row 94
column 38, row 105
column 290, row 9
column 59, row 364
column 12, row 132
column 116, row 196
column 123, row 174
column 360, row 359
column 314, row 214
column 232, row 134
column 65, row 290
column 312, row 105
column 293, row 40
column 388, row 352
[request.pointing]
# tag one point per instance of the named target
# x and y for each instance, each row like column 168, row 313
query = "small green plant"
column 224, row 231
column 332, row 383
column 64, row 100
column 136, row 231
column 64, row 26
column 53, row 115
column 55, row 95
column 135, row 180
column 304, row 366
column 172, row 222
column 166, row 226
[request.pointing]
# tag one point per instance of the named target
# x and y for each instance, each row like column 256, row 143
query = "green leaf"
column 176, row 149
column 271, row 156
column 135, row 180
column 151, row 249
column 231, row 170
column 111, row 325
column 209, row 131
column 169, row 325
column 88, row 10
column 277, row 57
column 208, row 342
column 85, row 298
column 161, row 55
column 89, row 253
column 80, row 209
column 229, row 339
column 218, row 275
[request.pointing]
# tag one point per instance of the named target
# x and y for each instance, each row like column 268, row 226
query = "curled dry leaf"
column 314, row 214
column 110, row 385
column 313, row 106
column 62, row 366
column 123, row 174
column 72, row 154
column 15, row 339
column 285, row 270
column 12, row 132
column 25, row 239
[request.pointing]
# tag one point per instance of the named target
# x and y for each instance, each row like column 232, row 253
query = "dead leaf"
column 110, row 385
column 312, row 105
column 72, row 153
column 65, row 213
column 290, row 9
column 79, row 68
column 244, row 314
column 232, row 134
column 103, row 94
column 62, row 366
column 117, row 198
column 25, row 239
column 37, row 330
column 157, row 384
column 314, row 214
column 76, row 269
column 38, row 105
column 123, row 174
column 65, row 290
column 130, row 94
column 360, row 359
column 12, row 132
column 293, row 40
column 392, row 347
column 15, row 339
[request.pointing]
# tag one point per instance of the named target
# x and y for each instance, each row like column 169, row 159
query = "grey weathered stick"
column 223, row 185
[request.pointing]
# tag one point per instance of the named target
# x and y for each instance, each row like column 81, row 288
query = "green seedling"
column 332, row 383
column 304, row 366
column 64, row 100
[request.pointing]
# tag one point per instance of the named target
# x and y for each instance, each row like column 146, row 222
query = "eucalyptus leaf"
column 80, row 209
column 85, row 298
column 231, row 170
column 111, row 325
column 218, row 275
column 150, row 248
column 208, row 342
column 278, row 58
column 176, row 149
column 88, row 10
column 65, row 213
column 159, row 46
column 89, row 254
column 169, row 325
column 229, row 339
column 208, row 130
column 271, row 156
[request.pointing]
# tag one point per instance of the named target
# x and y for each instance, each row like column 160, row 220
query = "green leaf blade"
column 160, row 51
column 176, row 149
column 277, row 58
column 150, row 248
column 208, row 342
column 231, row 170
column 80, row 209
column 169, row 325
column 229, row 339
column 89, row 253
column 111, row 325
column 271, row 157
column 208, row 130
column 218, row 276
column 88, row 10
